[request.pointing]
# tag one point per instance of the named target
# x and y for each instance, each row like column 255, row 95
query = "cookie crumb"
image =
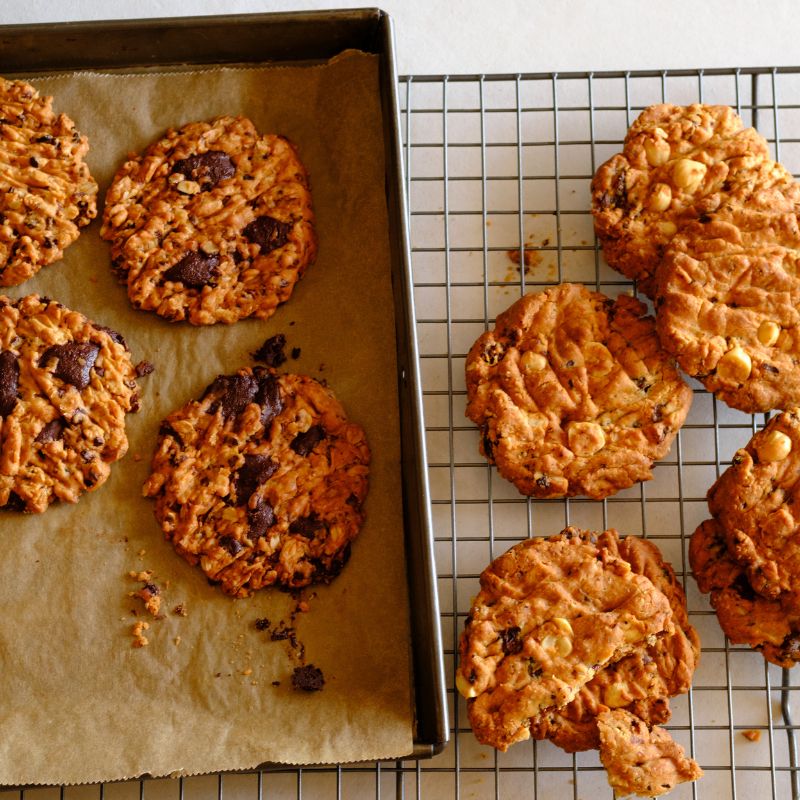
column 141, row 553
column 308, row 678
column 247, row 671
column 180, row 610
column 150, row 594
column 139, row 639
column 752, row 735
column 144, row 575
column 177, row 640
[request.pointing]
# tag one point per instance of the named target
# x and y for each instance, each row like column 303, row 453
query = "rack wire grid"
column 498, row 164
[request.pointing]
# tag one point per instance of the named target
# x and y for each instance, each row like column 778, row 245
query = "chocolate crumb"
column 308, row 678
column 271, row 352
column 276, row 683
column 262, row 624
column 143, row 368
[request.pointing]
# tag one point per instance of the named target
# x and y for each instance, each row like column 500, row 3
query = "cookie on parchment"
column 551, row 613
column 771, row 626
column 643, row 681
column 212, row 223
column 641, row 759
column 728, row 306
column 677, row 164
column 261, row 481
column 573, row 393
column 756, row 503
column 66, row 385
column 46, row 191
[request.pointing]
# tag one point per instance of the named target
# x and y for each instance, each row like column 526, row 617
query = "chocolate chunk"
column 46, row 139
column 306, row 526
column 208, row 169
column 14, row 503
column 305, row 442
column 257, row 469
column 325, row 573
column 52, row 431
column 75, row 361
column 268, row 233
column 233, row 546
column 195, row 270
column 261, row 518
column 238, row 391
column 743, row 588
column 269, row 398
column 9, row 381
column 295, row 353
column 117, row 337
column 308, row 678
column 512, row 644
column 271, row 352
column 143, row 368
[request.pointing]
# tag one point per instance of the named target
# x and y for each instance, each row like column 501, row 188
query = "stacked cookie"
column 746, row 556
column 698, row 214
column 581, row 638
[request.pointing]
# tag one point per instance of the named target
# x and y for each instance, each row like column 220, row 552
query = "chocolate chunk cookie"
column 261, row 481
column 756, row 504
column 643, row 681
column 641, row 759
column 213, row 223
column 677, row 164
column 728, row 306
column 771, row 626
column 46, row 191
column 65, row 387
column 551, row 613
column 573, row 394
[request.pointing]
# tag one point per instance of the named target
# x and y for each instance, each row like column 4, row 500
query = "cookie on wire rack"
column 212, row 223
column 47, row 193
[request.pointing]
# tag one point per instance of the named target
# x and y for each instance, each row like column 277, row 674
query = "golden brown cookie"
column 550, row 614
column 261, row 481
column 677, row 163
column 728, row 306
column 640, row 759
column 770, row 626
column 643, row 681
column 573, row 394
column 212, row 223
column 65, row 387
column 46, row 191
column 755, row 503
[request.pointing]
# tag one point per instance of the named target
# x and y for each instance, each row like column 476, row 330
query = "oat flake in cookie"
column 212, row 223
column 65, row 387
column 573, row 394
column 261, row 481
column 46, row 191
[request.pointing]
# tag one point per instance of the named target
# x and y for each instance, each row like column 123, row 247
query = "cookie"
column 641, row 759
column 754, row 501
column 212, row 223
column 66, row 385
column 771, row 626
column 46, row 193
column 573, row 394
column 677, row 163
column 261, row 481
column 643, row 681
column 551, row 613
column 728, row 306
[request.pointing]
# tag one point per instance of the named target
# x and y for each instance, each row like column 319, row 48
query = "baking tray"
column 295, row 38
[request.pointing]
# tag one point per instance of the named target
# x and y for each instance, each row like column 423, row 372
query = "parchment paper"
column 77, row 702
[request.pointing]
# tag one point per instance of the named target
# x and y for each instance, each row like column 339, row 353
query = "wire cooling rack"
column 494, row 165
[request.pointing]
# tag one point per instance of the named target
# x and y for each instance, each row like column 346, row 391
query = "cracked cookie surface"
column 66, row 384
column 728, row 306
column 771, row 626
column 677, row 164
column 640, row 759
column 261, row 481
column 550, row 614
column 46, row 191
column 212, row 223
column 641, row 682
column 573, row 393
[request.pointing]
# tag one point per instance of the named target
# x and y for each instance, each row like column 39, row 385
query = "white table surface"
column 469, row 36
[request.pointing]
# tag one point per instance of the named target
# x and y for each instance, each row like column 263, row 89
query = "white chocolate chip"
column 563, row 625
column 775, row 446
column 667, row 228
column 176, row 177
column 735, row 366
column 188, row 187
column 209, row 248
column 465, row 688
column 533, row 362
column 615, row 696
column 585, row 438
column 688, row 174
column 656, row 151
column 660, row 198
column 768, row 332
